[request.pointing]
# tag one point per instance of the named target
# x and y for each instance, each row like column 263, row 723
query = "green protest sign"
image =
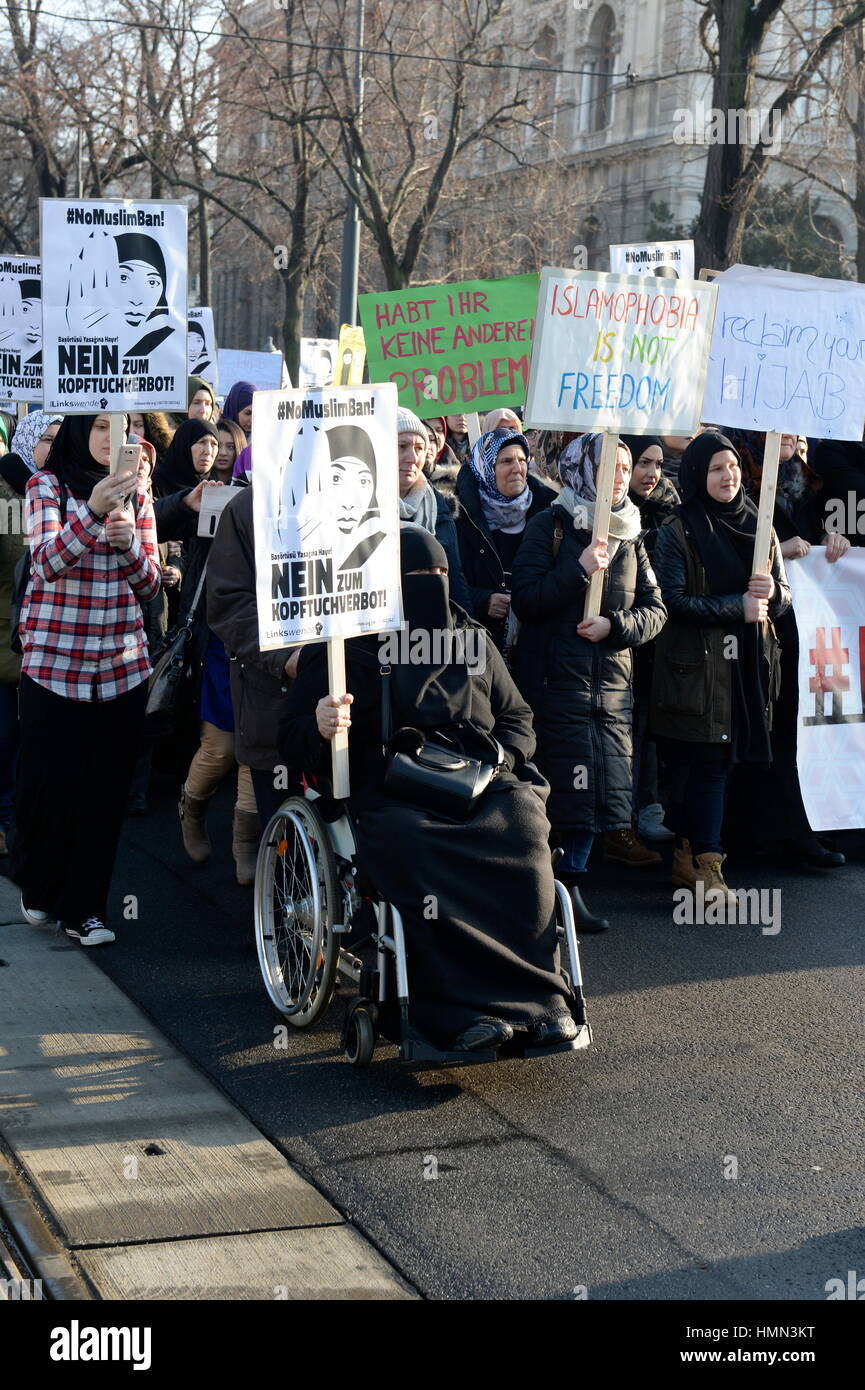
column 453, row 348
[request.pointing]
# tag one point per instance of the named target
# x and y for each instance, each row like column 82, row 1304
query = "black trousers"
column 700, row 773
column 74, row 769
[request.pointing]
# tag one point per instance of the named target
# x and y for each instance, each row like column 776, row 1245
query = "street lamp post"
column 351, row 229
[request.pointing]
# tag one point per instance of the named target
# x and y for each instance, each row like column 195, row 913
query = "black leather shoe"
column 820, row 858
column 557, row 1030
column 485, row 1034
column 584, row 920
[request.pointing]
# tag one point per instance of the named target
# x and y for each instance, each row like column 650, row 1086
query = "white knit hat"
column 409, row 423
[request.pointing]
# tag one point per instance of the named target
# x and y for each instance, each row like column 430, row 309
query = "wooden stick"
column 339, row 743
column 766, row 508
column 21, row 409
column 604, row 481
column 474, row 428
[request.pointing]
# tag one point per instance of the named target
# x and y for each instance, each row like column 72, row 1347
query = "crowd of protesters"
column 670, row 717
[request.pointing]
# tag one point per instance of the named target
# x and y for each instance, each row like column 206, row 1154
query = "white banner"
column 673, row 259
column 20, row 328
column 788, row 354
column 114, row 305
column 201, row 346
column 829, row 602
column 326, row 513
column 317, row 362
column 626, row 352
column 263, row 369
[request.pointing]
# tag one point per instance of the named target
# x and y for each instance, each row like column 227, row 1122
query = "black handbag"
column 433, row 773
column 171, row 671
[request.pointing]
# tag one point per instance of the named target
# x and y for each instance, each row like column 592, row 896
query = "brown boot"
column 716, row 890
column 684, row 874
column 247, row 834
column 625, row 847
column 192, row 811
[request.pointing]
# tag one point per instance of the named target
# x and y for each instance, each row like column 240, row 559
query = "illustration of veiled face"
column 196, row 347
column 31, row 312
column 354, row 486
column 142, row 288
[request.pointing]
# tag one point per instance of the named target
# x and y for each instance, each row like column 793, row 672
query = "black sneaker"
column 93, row 932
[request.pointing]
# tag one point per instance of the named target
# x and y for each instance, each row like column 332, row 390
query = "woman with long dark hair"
column 84, row 676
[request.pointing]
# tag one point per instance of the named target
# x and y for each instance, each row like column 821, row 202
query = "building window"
column 600, row 60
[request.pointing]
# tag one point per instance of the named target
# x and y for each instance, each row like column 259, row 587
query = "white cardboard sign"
column 625, row 352
column 326, row 513
column 201, row 354
column 114, row 305
column 20, row 328
column 263, row 369
column 788, row 354
column 673, row 259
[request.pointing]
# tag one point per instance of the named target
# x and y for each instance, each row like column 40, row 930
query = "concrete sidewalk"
column 154, row 1182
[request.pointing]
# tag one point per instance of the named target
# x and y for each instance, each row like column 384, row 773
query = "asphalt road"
column 707, row 1146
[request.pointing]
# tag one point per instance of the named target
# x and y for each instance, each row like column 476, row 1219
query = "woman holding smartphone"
column 84, row 672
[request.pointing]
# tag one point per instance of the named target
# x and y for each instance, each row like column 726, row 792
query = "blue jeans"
column 577, row 845
column 8, row 753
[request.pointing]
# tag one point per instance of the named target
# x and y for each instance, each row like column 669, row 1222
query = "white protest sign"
column 214, row 500
column 625, row 352
column 788, row 354
column 673, row 259
column 20, row 328
column 326, row 513
column 829, row 602
column 201, row 355
column 263, row 369
column 317, row 361
column 114, row 305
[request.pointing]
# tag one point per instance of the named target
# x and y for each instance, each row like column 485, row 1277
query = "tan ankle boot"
column 684, row 874
column 192, row 811
column 716, row 890
column 626, row 847
column 247, row 834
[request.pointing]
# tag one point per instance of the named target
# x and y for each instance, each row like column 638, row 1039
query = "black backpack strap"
column 558, row 537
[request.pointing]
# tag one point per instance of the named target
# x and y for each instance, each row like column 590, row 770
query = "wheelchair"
column 314, row 914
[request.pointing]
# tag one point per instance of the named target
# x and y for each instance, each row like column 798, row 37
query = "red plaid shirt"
column 82, row 633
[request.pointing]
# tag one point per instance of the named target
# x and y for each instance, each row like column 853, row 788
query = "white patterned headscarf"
column 28, row 433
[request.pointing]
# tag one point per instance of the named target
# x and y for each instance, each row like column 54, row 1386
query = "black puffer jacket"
column 580, row 691
column 483, row 570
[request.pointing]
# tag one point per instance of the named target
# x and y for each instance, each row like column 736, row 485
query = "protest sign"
column 624, row 352
column 20, row 328
column 788, row 354
column 350, row 356
column 326, row 513
column 829, row 602
column 114, row 305
column 317, row 362
column 201, row 353
column 452, row 348
column 673, row 259
column 263, row 369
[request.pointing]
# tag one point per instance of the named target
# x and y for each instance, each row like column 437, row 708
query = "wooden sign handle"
column 474, row 428
column 339, row 743
column 116, row 438
column 604, row 486
column 21, row 410
column 766, row 508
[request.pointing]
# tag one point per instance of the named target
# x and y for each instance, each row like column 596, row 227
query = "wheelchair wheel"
column 297, row 900
column 359, row 1036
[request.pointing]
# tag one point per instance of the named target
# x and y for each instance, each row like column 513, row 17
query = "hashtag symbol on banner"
column 70, row 214
column 829, row 664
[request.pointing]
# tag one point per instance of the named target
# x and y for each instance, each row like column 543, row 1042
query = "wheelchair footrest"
column 416, row 1050
column 583, row 1039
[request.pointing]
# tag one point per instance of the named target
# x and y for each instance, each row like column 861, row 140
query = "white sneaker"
column 650, row 824
column 36, row 919
column 93, row 932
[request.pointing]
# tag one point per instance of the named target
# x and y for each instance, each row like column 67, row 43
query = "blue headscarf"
column 500, row 513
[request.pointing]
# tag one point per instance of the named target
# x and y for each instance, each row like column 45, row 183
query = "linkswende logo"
column 77, row 1343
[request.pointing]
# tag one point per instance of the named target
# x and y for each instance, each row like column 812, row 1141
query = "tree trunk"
column 858, row 124
column 294, row 288
column 203, row 251
column 719, row 226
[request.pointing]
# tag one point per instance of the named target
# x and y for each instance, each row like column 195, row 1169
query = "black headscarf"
column 435, row 693
column 639, row 443
column 70, row 459
column 724, row 534
column 176, row 471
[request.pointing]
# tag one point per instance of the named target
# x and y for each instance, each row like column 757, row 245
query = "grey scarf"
column 625, row 524
column 420, row 507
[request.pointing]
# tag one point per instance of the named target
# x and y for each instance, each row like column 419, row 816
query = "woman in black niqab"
column 477, row 972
